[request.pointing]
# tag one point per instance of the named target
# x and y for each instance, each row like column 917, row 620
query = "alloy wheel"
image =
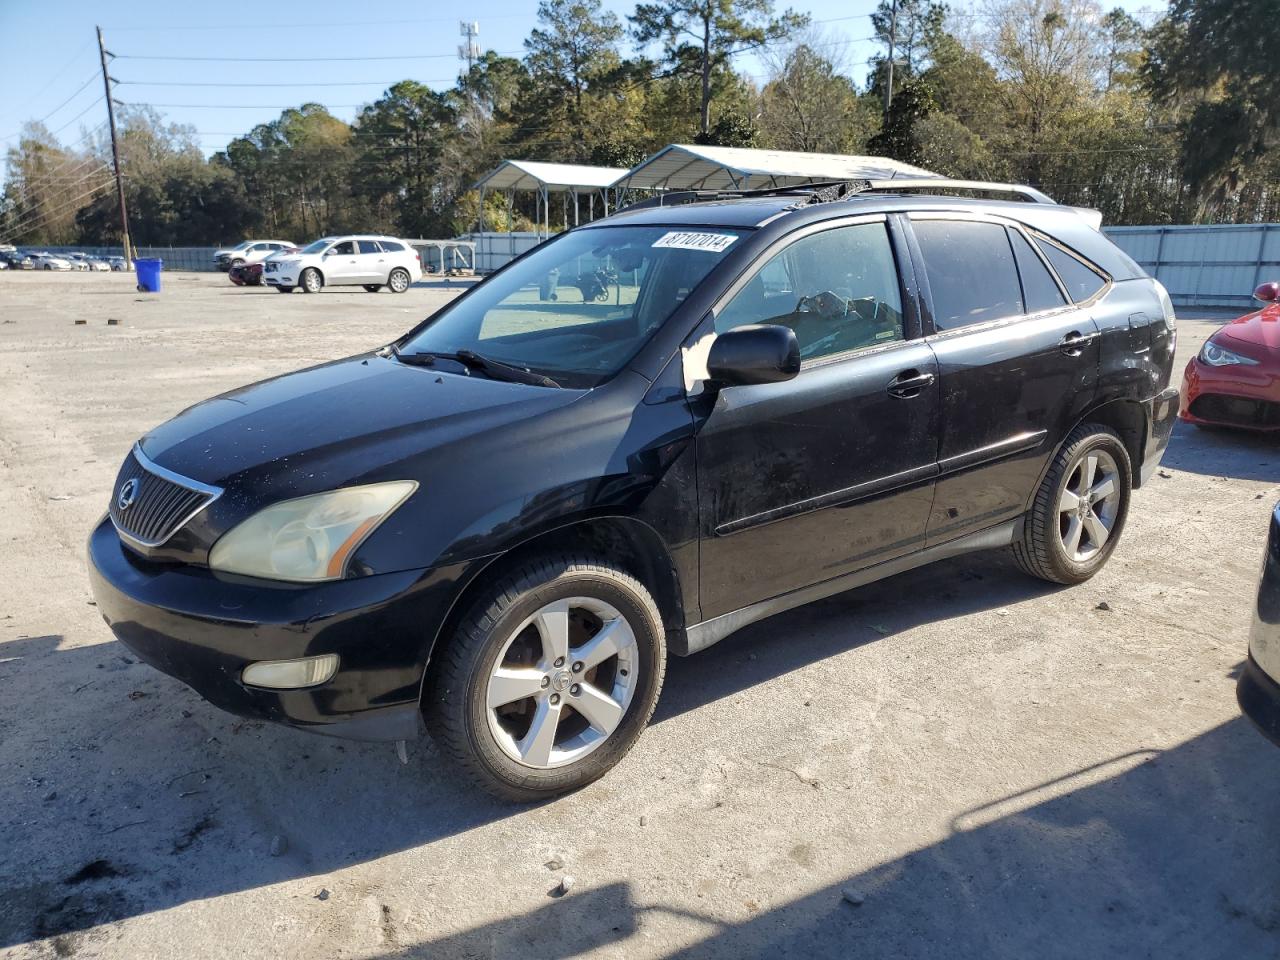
column 1089, row 505
column 562, row 682
column 398, row 281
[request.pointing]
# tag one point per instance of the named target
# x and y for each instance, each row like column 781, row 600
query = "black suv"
column 504, row 522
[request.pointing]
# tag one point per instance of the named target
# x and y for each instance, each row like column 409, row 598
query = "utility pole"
column 893, row 36
column 115, row 151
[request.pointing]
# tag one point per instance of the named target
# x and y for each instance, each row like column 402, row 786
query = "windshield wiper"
column 474, row 361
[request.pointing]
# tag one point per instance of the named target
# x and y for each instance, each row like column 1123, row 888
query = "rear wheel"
column 549, row 678
column 372, row 287
column 399, row 280
column 1080, row 509
column 311, row 280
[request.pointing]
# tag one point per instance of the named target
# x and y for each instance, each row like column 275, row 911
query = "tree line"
column 1171, row 121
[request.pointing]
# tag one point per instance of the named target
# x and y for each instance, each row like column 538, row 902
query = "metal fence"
column 1205, row 266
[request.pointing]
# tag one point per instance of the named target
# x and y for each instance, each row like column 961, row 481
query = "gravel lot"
column 987, row 766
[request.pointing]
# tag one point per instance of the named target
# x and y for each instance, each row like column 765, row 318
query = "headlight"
column 311, row 538
column 1216, row 356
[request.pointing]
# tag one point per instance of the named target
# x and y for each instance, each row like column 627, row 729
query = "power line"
column 305, row 83
column 42, row 216
column 97, row 101
column 79, row 90
column 406, row 56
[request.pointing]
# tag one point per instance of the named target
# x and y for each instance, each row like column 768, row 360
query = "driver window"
column 837, row 289
column 343, row 249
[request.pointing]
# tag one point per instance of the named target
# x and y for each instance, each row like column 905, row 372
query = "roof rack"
column 978, row 186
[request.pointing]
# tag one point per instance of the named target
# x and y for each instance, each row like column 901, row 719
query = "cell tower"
column 469, row 49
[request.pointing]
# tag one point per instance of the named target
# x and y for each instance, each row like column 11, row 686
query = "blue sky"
column 49, row 58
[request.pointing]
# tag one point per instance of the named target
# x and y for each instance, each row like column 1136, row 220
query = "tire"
column 1055, row 522
column 372, row 287
column 488, row 743
column 285, row 289
column 311, row 281
column 398, row 280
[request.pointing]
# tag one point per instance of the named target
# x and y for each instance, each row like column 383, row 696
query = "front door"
column 342, row 264
column 803, row 481
column 1018, row 364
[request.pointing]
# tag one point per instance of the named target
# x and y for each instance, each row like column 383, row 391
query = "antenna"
column 469, row 50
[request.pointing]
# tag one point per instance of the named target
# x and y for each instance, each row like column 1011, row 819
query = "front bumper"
column 1231, row 396
column 204, row 629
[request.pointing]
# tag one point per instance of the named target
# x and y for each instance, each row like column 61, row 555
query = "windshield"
column 318, row 245
column 578, row 308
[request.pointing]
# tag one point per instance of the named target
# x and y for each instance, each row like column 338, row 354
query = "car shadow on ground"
column 1224, row 452
column 1164, row 853
column 136, row 796
column 809, row 634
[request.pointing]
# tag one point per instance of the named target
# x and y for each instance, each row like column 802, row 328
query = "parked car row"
column 14, row 259
column 371, row 261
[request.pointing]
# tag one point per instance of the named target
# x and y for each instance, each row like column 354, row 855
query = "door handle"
column 1073, row 343
column 909, row 383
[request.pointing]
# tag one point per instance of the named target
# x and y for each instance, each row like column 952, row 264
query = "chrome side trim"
column 212, row 492
column 704, row 634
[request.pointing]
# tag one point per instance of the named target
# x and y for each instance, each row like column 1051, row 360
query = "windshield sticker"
column 680, row 240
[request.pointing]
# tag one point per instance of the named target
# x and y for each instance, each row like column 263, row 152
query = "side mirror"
column 1267, row 292
column 757, row 353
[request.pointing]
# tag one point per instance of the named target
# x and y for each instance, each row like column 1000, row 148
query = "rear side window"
column 1081, row 281
column 1039, row 290
column 369, row 246
column 391, row 246
column 971, row 271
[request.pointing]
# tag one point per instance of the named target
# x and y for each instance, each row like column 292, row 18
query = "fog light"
column 291, row 674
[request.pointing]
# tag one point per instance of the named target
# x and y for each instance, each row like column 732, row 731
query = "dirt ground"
column 989, row 766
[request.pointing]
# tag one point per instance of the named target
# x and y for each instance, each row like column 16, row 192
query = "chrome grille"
column 159, row 501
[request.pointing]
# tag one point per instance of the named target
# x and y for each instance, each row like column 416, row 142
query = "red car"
column 246, row 274
column 1234, row 380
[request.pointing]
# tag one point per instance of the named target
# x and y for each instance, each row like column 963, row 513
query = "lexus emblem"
column 128, row 493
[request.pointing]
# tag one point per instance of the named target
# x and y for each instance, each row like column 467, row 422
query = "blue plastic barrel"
column 149, row 274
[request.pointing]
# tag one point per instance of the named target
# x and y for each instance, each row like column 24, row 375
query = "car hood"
column 318, row 428
column 1261, row 328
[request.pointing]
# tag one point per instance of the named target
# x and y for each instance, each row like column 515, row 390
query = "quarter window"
column 391, row 246
column 971, row 271
column 1081, row 281
column 837, row 289
column 1039, row 290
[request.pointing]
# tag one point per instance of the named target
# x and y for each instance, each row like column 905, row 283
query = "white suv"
column 250, row 251
column 368, row 261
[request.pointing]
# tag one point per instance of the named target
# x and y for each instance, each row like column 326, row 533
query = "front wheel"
column 311, row 280
column 549, row 678
column 399, row 280
column 1079, row 511
column 372, row 287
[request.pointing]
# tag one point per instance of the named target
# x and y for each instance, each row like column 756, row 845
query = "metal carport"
column 682, row 166
column 544, row 179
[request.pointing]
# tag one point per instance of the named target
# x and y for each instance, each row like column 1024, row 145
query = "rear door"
column 372, row 262
column 1018, row 365
column 803, row 481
